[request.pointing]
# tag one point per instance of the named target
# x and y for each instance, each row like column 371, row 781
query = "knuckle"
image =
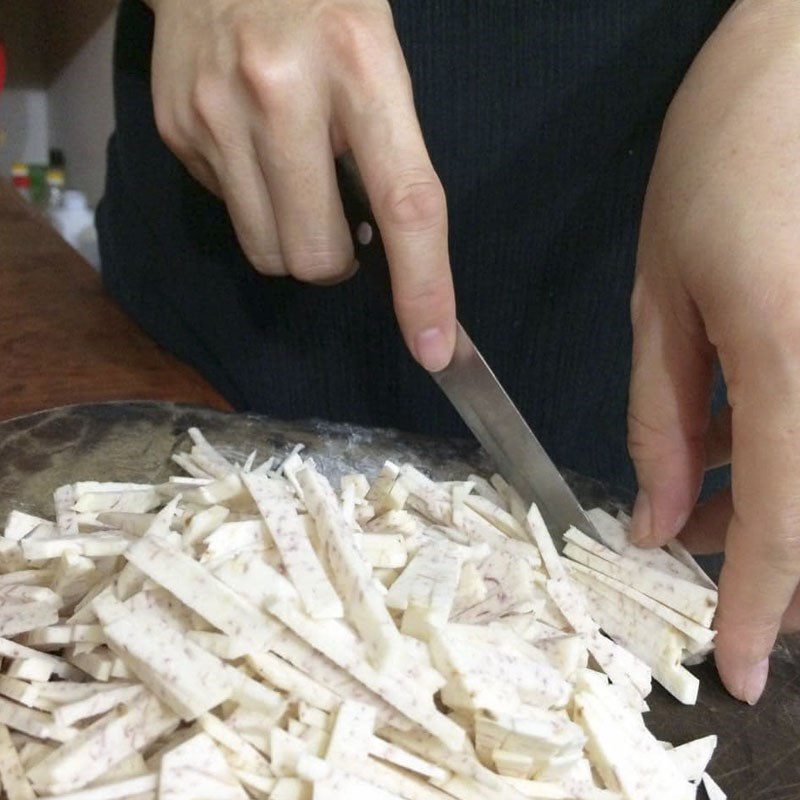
column 654, row 442
column 265, row 261
column 204, row 175
column 355, row 37
column 262, row 252
column 645, row 438
column 433, row 292
column 270, row 77
column 745, row 633
column 208, row 100
column 319, row 264
column 415, row 203
column 168, row 130
column 749, row 552
column 744, row 640
column 653, row 299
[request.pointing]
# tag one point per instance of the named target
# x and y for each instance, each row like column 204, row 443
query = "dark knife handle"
column 367, row 242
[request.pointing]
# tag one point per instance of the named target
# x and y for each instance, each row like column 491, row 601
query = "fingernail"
column 641, row 519
column 432, row 349
column 753, row 682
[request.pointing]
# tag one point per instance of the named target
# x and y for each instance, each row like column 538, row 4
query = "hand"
column 718, row 277
column 257, row 98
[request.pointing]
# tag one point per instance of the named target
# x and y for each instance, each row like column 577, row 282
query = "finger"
column 668, row 409
column 250, row 207
column 791, row 619
column 182, row 146
column 707, row 527
column 718, row 439
column 409, row 205
column 292, row 139
column 175, row 118
column 223, row 136
column 762, row 552
column 204, row 174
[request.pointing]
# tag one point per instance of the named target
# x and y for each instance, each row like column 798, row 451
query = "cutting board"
column 758, row 757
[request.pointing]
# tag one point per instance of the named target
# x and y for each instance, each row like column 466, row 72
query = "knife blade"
column 502, row 431
column 473, row 389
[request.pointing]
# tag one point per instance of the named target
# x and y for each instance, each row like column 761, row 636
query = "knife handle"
column 367, row 243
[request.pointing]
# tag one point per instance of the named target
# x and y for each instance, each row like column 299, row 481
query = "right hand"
column 258, row 97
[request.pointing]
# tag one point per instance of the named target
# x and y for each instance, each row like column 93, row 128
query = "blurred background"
column 56, row 110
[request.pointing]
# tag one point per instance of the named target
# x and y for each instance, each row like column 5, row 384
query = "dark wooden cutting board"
column 758, row 757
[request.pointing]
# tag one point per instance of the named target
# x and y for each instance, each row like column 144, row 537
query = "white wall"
column 81, row 112
column 24, row 120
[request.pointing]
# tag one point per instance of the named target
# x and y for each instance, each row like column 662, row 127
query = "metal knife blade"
column 473, row 389
column 497, row 424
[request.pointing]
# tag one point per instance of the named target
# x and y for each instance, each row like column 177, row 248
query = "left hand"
column 718, row 278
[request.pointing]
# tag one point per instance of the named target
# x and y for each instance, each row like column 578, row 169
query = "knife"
column 472, row 387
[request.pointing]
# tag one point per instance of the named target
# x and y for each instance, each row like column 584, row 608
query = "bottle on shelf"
column 74, row 220
column 37, row 174
column 21, row 179
column 56, row 158
column 55, row 179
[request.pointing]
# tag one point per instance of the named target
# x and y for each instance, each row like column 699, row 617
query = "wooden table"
column 62, row 339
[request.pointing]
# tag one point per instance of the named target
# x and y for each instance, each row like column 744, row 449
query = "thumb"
column 668, row 409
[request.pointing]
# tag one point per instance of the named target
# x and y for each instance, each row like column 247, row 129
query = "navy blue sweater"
column 542, row 118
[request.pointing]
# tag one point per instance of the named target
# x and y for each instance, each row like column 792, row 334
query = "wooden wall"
column 41, row 36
